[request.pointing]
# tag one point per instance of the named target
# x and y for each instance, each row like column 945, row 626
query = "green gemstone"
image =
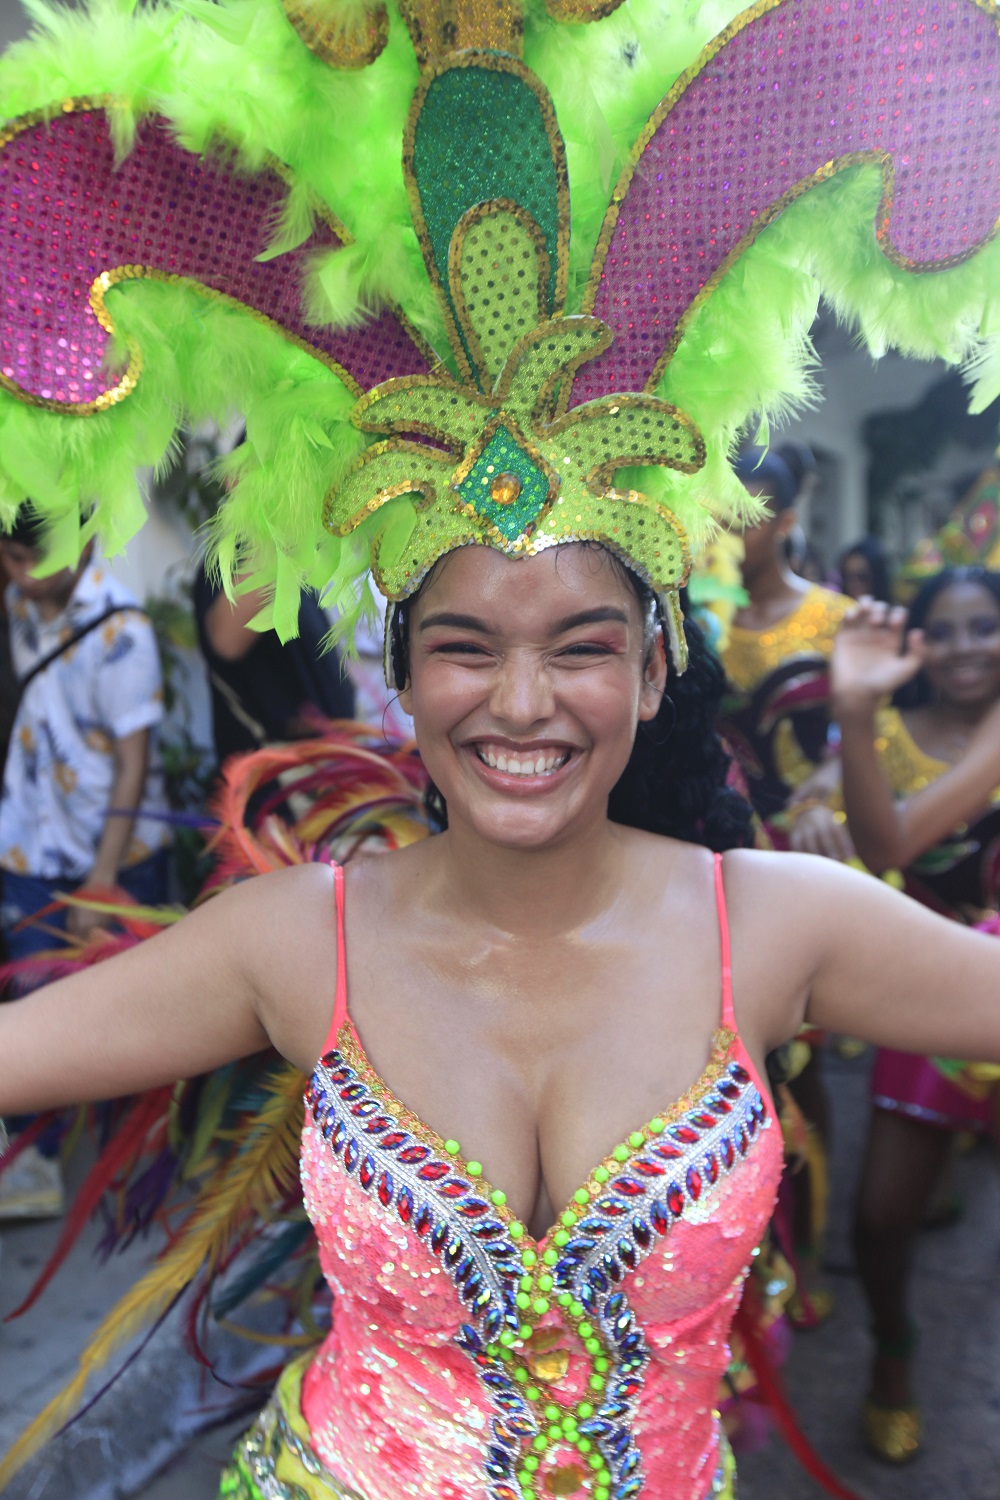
column 503, row 454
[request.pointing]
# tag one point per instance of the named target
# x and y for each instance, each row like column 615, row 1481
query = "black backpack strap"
column 68, row 644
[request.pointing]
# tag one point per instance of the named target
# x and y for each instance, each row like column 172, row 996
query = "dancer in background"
column 865, row 570
column 921, row 789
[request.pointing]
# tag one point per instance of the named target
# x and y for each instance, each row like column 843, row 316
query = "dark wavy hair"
column 877, row 558
column 918, row 692
column 676, row 779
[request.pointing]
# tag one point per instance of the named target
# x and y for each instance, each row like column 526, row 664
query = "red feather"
column 126, row 1144
column 770, row 1382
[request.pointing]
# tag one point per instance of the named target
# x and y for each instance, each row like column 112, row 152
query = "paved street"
column 958, row 1305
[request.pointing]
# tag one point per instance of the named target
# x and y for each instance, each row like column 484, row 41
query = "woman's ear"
column 654, row 678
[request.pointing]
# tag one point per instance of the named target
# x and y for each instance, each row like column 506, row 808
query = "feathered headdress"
column 476, row 271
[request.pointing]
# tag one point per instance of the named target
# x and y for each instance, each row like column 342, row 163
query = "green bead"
column 530, row 1462
column 523, row 1301
column 581, row 1195
column 533, row 1393
column 593, row 1346
column 569, row 1218
column 540, row 1443
column 560, row 1238
column 635, row 1140
column 521, row 1376
column 602, row 1493
column 576, row 1308
column 545, row 1283
column 569, row 1426
column 584, row 1445
column 525, row 1331
column 452, row 1148
column 601, row 1174
column 554, row 1433
column 551, row 1413
column 550, row 1257
column 596, row 1383
column 515, row 1230
column 596, row 1461
column 496, row 1196
column 528, row 1257
column 524, row 1475
column 564, row 1299
column 506, row 1354
column 657, row 1126
column 621, row 1153
column 602, row 1366
column 541, row 1306
column 526, row 1283
column 585, row 1330
column 584, row 1410
column 474, row 1168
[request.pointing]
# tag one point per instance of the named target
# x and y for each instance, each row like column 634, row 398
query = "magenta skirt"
column 941, row 1093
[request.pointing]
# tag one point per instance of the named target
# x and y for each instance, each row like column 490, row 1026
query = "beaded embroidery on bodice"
column 585, row 1362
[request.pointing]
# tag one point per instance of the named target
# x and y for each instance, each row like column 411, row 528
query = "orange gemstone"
column 549, row 1366
column 565, row 1480
column 505, row 489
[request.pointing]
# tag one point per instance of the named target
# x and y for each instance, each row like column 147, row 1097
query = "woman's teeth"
column 525, row 764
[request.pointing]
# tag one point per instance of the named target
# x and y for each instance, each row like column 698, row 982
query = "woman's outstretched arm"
column 852, row 955
column 249, row 967
column 870, row 661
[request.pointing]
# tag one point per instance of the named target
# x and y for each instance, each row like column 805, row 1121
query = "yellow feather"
column 236, row 1191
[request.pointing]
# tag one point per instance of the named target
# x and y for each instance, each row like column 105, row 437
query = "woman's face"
column 528, row 677
column 962, row 645
column 856, row 577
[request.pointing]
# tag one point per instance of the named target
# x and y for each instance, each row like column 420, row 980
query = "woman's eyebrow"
column 458, row 622
column 600, row 615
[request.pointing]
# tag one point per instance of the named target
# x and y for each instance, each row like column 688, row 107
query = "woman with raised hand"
column 921, row 790
column 539, row 1146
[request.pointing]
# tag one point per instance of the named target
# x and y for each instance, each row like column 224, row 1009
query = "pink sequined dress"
column 468, row 1361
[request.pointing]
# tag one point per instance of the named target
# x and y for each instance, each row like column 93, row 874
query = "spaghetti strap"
column 340, row 995
column 728, row 1016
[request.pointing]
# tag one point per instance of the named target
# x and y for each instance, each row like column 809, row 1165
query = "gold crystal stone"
column 565, row 1480
column 505, row 489
column 549, row 1365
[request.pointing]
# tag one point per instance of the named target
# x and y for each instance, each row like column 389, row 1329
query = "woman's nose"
column 522, row 693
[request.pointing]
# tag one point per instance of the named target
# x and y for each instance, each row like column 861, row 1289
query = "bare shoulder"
column 285, row 925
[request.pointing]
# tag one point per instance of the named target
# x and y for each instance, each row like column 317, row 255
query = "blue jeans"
column 24, row 895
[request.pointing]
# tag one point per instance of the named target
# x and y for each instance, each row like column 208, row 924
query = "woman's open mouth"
column 530, row 761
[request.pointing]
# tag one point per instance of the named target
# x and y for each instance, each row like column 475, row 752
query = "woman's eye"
column 458, row 648
column 586, row 648
column 986, row 627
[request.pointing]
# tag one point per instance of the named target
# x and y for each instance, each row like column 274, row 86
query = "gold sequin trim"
column 438, row 27
column 351, row 40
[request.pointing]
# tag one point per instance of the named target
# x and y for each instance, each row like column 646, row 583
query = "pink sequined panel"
column 68, row 215
column 915, row 80
column 405, row 1398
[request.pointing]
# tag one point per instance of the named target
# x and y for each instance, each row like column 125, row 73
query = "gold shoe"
column 893, row 1433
